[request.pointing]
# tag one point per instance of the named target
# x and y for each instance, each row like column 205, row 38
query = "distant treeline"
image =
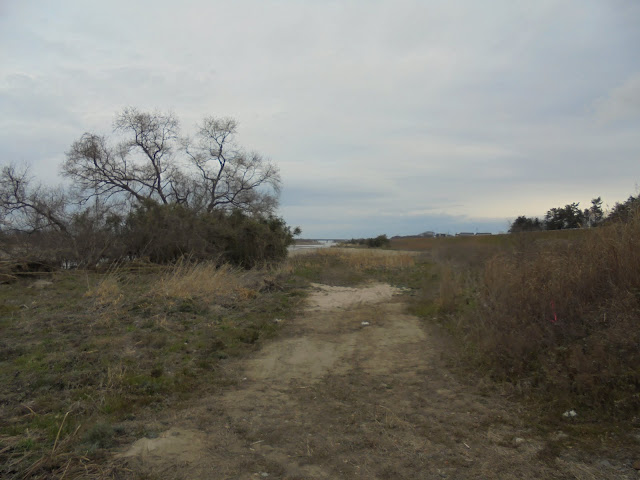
column 571, row 216
column 377, row 242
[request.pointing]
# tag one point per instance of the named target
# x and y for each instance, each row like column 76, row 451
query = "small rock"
column 264, row 474
column 604, row 463
column 365, row 324
column 636, row 465
column 518, row 441
column 570, row 414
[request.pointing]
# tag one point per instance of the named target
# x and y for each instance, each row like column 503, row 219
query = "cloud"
column 383, row 116
column 622, row 103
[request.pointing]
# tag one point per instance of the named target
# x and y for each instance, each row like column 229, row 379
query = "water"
column 320, row 244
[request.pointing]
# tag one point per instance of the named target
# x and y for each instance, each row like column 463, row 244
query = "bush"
column 165, row 233
column 154, row 232
column 377, row 242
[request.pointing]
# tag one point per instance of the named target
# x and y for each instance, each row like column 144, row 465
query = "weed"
column 206, row 281
column 99, row 435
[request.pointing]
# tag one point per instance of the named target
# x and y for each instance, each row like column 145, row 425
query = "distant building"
column 464, row 234
column 483, row 233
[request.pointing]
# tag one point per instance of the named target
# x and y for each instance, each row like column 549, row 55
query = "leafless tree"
column 28, row 208
column 140, row 166
column 153, row 136
column 229, row 176
column 149, row 190
column 213, row 173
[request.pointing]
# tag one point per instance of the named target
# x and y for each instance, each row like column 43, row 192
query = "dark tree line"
column 374, row 242
column 148, row 192
column 571, row 216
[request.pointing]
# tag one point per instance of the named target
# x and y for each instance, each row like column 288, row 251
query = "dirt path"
column 355, row 388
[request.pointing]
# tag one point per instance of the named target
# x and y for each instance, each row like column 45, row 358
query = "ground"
column 355, row 387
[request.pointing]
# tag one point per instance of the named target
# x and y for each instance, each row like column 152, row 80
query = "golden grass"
column 356, row 258
column 107, row 292
column 205, row 281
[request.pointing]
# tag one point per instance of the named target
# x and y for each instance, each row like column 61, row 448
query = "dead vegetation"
column 88, row 360
column 563, row 318
column 356, row 388
column 352, row 266
column 551, row 316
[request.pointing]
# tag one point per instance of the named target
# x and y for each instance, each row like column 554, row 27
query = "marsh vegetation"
column 93, row 360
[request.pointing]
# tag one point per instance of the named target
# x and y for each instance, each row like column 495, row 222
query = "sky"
column 393, row 117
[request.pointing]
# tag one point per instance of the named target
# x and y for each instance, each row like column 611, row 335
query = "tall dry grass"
column 204, row 281
column 355, row 258
column 563, row 318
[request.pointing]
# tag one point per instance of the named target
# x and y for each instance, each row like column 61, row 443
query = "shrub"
column 377, row 242
column 165, row 233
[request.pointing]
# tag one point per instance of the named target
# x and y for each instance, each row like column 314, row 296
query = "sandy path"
column 336, row 398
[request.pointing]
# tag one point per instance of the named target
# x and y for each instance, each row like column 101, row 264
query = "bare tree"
column 230, row 177
column 27, row 208
column 217, row 174
column 150, row 190
column 140, row 166
column 153, row 136
column 99, row 170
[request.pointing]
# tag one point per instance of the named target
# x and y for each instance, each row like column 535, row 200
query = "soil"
column 356, row 388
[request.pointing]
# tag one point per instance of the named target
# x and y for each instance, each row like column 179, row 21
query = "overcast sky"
column 384, row 116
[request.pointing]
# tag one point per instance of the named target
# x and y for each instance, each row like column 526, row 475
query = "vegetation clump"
column 554, row 316
column 380, row 241
column 571, row 217
column 563, row 317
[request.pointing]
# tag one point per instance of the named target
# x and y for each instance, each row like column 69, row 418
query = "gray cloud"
column 401, row 115
column 621, row 103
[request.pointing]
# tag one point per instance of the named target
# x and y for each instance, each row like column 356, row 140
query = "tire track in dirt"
column 336, row 398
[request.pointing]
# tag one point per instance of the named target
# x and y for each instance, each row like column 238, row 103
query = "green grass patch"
column 91, row 350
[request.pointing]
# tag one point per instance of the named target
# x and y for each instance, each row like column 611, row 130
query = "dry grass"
column 556, row 316
column 450, row 288
column 353, row 266
column 205, row 281
column 356, row 258
column 550, row 315
column 107, row 292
